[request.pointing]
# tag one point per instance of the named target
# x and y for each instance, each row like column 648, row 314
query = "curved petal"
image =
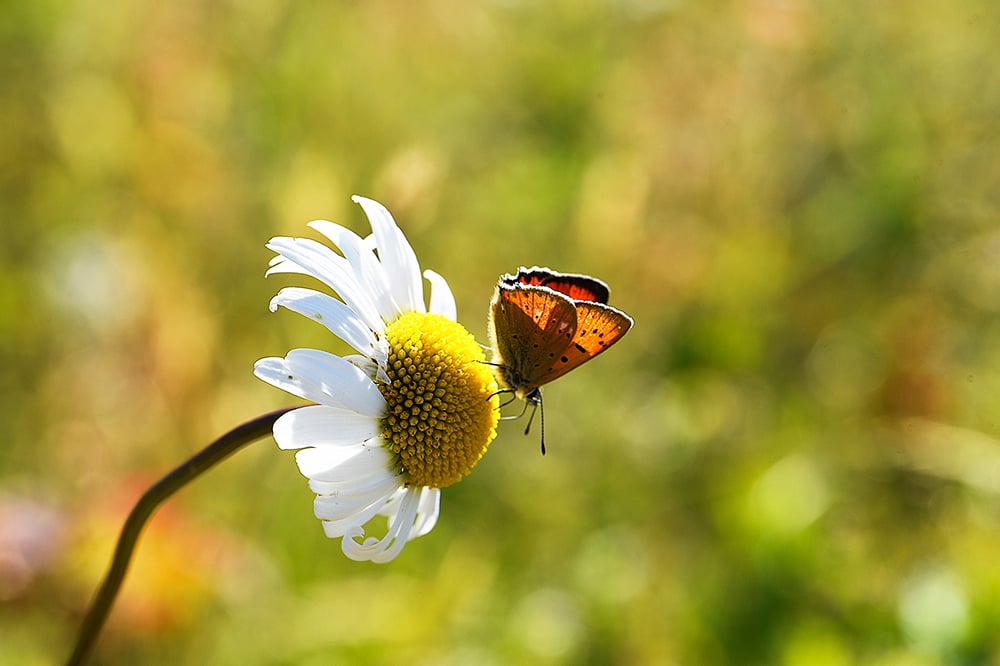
column 442, row 300
column 324, row 378
column 339, row 319
column 427, row 512
column 346, row 512
column 364, row 264
column 323, row 426
column 345, row 504
column 398, row 260
column 388, row 547
column 309, row 257
column 338, row 527
column 334, row 464
column 349, row 480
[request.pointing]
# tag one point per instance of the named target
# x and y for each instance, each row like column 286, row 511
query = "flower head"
column 409, row 414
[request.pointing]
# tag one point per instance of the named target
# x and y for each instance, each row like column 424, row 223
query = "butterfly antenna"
column 536, row 404
column 541, row 406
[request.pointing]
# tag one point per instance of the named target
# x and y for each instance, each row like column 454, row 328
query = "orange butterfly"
column 543, row 324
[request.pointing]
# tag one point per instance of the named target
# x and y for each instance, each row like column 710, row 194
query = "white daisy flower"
column 409, row 414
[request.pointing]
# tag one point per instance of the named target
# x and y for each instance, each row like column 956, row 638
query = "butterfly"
column 543, row 324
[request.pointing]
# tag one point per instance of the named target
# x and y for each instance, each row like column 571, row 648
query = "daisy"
column 410, row 413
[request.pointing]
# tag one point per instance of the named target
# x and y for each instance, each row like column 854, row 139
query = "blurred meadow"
column 793, row 458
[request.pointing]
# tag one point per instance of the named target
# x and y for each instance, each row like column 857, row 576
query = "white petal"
column 320, row 425
column 349, row 511
column 331, row 474
column 338, row 527
column 309, row 257
column 397, row 257
column 442, row 300
column 335, row 464
column 388, row 547
column 272, row 370
column 367, row 270
column 350, row 503
column 367, row 366
column 339, row 319
column 427, row 512
column 348, row 480
column 324, row 378
column 344, row 382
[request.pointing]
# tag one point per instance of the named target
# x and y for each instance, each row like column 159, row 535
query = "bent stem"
column 202, row 461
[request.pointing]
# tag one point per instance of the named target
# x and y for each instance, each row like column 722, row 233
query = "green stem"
column 201, row 462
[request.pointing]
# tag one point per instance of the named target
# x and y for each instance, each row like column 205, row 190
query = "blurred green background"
column 793, row 458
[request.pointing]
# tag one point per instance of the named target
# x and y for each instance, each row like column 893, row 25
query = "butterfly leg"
column 504, row 404
column 519, row 415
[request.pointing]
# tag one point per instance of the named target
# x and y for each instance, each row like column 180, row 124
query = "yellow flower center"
column 441, row 415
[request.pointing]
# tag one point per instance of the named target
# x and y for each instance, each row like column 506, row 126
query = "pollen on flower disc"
column 441, row 416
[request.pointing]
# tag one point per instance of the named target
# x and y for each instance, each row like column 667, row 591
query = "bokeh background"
column 793, row 458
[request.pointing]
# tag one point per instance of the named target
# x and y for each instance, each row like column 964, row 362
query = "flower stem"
column 201, row 462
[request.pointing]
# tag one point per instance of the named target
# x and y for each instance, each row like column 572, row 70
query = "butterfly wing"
column 598, row 327
column 530, row 328
column 577, row 287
